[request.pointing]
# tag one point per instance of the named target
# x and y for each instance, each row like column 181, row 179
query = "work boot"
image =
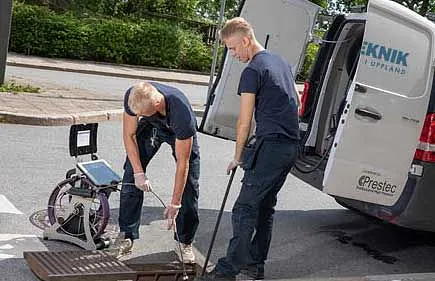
column 125, row 247
column 216, row 275
column 186, row 252
column 253, row 271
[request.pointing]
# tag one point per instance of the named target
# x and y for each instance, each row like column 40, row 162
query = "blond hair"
column 236, row 26
column 141, row 97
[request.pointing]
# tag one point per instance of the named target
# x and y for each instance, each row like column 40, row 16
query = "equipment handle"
column 230, row 181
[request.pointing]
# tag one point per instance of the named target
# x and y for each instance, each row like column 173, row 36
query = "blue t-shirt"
column 270, row 78
column 180, row 119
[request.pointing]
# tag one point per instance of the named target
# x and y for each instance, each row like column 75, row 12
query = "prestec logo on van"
column 384, row 58
column 372, row 184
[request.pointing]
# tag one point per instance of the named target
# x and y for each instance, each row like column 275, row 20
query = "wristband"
column 237, row 162
column 173, row 206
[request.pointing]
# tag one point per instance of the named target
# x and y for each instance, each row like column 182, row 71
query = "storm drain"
column 98, row 265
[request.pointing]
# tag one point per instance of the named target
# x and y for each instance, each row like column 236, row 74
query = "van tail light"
column 426, row 147
column 304, row 98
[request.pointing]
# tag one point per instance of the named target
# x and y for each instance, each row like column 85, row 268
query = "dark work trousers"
column 255, row 206
column 131, row 198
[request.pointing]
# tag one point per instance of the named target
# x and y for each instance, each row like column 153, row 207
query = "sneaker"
column 254, row 271
column 125, row 247
column 186, row 252
column 216, row 275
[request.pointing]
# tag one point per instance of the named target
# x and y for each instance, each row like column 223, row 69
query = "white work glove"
column 170, row 214
column 142, row 182
column 233, row 164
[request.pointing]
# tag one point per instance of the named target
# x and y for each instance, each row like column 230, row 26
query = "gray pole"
column 215, row 49
column 5, row 27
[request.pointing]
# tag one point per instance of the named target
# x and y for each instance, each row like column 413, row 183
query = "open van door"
column 385, row 107
column 283, row 27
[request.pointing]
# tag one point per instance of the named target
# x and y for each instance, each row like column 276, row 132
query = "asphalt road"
column 313, row 236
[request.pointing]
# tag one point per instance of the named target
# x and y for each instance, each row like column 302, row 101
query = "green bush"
column 310, row 56
column 38, row 31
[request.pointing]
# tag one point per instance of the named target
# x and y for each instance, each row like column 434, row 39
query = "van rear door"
column 283, row 27
column 385, row 107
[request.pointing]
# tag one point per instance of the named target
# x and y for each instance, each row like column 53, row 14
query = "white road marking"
column 12, row 245
column 7, row 207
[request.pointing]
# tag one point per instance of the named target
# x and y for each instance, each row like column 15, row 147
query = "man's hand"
column 233, row 164
column 142, row 182
column 170, row 214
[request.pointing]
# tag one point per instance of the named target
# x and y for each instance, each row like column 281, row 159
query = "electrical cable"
column 115, row 186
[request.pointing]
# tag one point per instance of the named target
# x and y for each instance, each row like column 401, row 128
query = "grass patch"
column 13, row 87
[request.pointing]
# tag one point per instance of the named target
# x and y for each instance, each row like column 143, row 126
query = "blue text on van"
column 390, row 55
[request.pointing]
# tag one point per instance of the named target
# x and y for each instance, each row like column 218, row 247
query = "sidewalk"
column 58, row 105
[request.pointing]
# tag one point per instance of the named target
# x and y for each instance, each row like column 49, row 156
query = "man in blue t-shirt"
column 267, row 88
column 154, row 114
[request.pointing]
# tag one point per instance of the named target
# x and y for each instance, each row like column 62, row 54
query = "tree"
column 420, row 6
column 210, row 9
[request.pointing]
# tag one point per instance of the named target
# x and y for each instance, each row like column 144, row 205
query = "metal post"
column 5, row 27
column 215, row 49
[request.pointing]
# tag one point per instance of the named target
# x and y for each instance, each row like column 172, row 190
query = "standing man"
column 154, row 114
column 267, row 88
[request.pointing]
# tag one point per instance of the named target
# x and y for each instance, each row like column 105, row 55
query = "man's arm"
column 130, row 143
column 183, row 149
column 247, row 104
column 182, row 153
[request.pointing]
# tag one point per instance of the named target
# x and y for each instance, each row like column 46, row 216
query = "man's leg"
column 273, row 161
column 263, row 232
column 263, row 235
column 131, row 198
column 188, row 219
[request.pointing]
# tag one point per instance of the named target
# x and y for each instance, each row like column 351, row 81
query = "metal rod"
column 218, row 221
column 5, row 28
column 215, row 49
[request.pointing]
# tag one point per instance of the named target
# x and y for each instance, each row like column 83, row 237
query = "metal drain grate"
column 100, row 266
column 78, row 266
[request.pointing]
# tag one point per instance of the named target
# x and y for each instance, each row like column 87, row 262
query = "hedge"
column 38, row 31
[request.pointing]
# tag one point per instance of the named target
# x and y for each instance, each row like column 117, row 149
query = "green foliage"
column 210, row 9
column 12, row 87
column 310, row 56
column 38, row 31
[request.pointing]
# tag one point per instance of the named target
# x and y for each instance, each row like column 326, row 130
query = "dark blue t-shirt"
column 270, row 78
column 180, row 119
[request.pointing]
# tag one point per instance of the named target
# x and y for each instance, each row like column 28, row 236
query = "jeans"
column 131, row 198
column 255, row 206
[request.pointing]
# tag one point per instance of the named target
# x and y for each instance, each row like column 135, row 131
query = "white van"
column 368, row 138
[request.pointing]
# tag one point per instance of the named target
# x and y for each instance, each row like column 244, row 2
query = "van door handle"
column 367, row 113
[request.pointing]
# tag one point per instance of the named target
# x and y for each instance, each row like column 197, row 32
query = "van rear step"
column 99, row 265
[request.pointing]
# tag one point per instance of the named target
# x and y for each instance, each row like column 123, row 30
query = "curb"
column 69, row 119
column 108, row 73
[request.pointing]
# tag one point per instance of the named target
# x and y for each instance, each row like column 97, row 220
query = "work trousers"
column 255, row 206
column 131, row 199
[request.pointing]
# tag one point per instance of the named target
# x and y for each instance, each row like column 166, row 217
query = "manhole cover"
column 40, row 219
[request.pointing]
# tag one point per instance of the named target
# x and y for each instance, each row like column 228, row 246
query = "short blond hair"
column 236, row 26
column 141, row 97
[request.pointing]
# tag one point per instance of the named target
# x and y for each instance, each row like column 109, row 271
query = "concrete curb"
column 68, row 119
column 108, row 73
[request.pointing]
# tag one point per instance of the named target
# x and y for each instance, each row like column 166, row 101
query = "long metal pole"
column 215, row 48
column 5, row 28
column 218, row 221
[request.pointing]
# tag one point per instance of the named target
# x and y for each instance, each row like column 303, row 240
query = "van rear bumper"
column 414, row 209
